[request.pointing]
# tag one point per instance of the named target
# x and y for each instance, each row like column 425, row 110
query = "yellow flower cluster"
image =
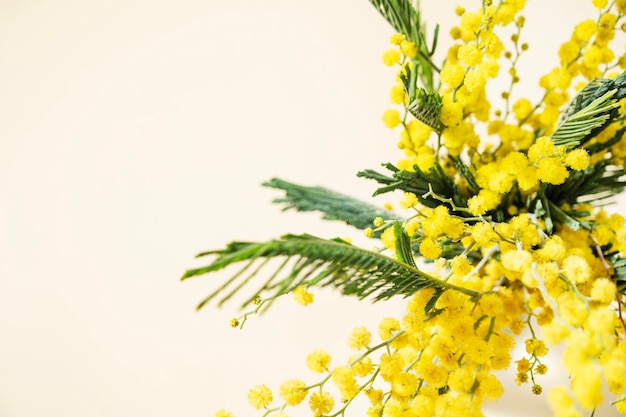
column 535, row 268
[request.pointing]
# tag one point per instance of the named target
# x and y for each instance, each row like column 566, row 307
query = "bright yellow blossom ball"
column 397, row 38
column 391, row 118
column 318, row 361
column 293, row 391
column 578, row 159
column 408, row 48
column 576, row 269
column 260, row 396
column 388, row 327
column 587, row 388
column 552, row 171
column 603, row 290
column 470, row 55
column 430, row 249
column 404, row 384
column 321, row 403
column 360, row 338
column 451, row 114
column 452, row 74
column 302, row 296
column 409, row 200
column 397, row 94
column 391, row 57
column 599, row 4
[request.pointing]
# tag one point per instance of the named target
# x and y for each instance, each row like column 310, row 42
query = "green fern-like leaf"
column 333, row 205
column 423, row 105
column 313, row 261
column 420, row 183
column 593, row 109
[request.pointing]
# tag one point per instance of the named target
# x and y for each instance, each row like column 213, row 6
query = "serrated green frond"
column 404, row 253
column 422, row 184
column 313, row 261
column 594, row 108
column 333, row 205
column 423, row 105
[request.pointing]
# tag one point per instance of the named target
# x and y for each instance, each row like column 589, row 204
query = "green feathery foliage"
column 593, row 109
column 424, row 105
column 432, row 188
column 405, row 18
column 333, row 205
column 310, row 260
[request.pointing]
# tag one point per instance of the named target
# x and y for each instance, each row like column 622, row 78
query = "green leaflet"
column 404, row 253
column 314, row 261
column 424, row 106
column 593, row 109
column 419, row 183
column 333, row 205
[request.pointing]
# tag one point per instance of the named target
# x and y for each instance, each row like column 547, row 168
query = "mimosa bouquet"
column 504, row 239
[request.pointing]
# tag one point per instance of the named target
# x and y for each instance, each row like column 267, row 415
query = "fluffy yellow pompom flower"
column 408, row 48
column 391, row 57
column 522, row 108
column 388, row 327
column 397, row 94
column 260, row 396
column 321, row 403
column 484, row 201
column 536, row 347
column 451, row 114
column 293, row 391
column 576, row 269
column 517, row 260
column 302, row 296
column 452, row 74
column 363, row 367
column 409, row 200
column 391, row 118
column 343, row 377
column 587, row 388
column 404, row 385
column 578, row 159
column 469, row 54
column 552, row 171
column 318, row 361
column 388, row 238
column 585, row 30
column 430, row 249
column 490, row 387
column 603, row 291
column 360, row 338
column 599, row 4
column 397, row 38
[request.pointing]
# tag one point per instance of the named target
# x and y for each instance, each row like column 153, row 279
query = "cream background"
column 134, row 134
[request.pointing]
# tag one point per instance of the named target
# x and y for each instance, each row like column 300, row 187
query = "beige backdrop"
column 134, row 134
